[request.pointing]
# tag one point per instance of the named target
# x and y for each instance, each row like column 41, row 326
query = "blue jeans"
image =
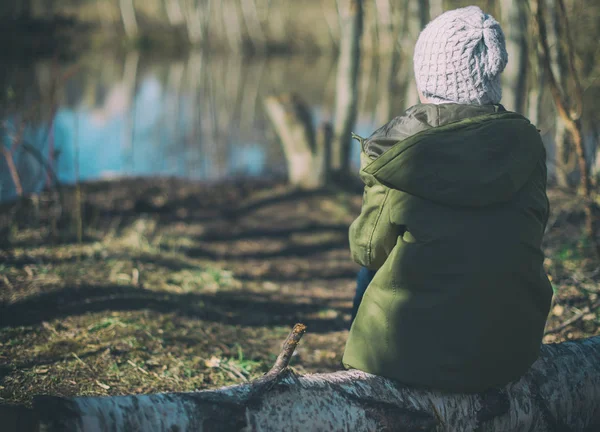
column 364, row 278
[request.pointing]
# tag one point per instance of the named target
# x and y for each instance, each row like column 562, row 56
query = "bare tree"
column 253, row 25
column 416, row 16
column 570, row 111
column 332, row 20
column 514, row 14
column 174, row 12
column 436, row 8
column 231, row 23
column 197, row 15
column 128, row 18
column 386, row 31
column 306, row 153
column 565, row 159
column 351, row 22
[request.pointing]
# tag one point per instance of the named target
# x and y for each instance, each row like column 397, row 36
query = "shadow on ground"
column 231, row 308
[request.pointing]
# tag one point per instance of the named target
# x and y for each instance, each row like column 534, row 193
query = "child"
column 453, row 215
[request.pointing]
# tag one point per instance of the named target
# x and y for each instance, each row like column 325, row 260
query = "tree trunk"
column 570, row 109
column 174, row 12
column 351, row 22
column 514, row 14
column 306, row 153
column 386, row 35
column 232, row 25
column 253, row 25
column 416, row 18
column 560, row 392
column 128, row 17
column 436, row 8
column 195, row 19
column 333, row 24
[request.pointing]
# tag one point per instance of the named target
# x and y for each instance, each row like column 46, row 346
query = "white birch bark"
column 560, row 392
column 306, row 155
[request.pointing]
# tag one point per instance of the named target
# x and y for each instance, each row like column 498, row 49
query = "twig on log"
column 268, row 380
column 586, row 310
column 289, row 346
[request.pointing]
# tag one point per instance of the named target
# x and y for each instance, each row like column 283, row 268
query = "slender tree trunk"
column 351, row 22
column 195, row 18
column 369, row 30
column 128, row 18
column 386, row 34
column 174, row 12
column 279, row 22
column 536, row 92
column 251, row 87
column 130, row 71
column 231, row 24
column 563, row 146
column 333, row 24
column 570, row 112
column 385, row 80
column 558, row 393
column 416, row 17
column 515, row 19
column 253, row 25
column 436, row 8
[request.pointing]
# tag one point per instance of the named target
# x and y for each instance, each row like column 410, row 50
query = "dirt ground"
column 176, row 286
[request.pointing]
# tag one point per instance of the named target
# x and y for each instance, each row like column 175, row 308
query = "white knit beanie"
column 459, row 57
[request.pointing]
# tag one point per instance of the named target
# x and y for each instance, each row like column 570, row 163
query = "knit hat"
column 459, row 57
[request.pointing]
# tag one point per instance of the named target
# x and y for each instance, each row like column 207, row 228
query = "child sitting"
column 453, row 215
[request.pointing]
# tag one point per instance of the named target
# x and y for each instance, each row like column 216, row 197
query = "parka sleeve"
column 372, row 235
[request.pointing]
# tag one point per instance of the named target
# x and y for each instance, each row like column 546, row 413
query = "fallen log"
column 560, row 392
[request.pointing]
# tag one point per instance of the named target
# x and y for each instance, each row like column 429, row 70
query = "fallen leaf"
column 104, row 386
column 558, row 310
column 214, row 362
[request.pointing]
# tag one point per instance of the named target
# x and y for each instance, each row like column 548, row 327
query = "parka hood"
column 452, row 154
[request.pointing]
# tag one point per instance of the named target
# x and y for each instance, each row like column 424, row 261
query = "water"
column 200, row 117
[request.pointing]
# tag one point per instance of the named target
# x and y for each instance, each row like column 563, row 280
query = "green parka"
column 453, row 215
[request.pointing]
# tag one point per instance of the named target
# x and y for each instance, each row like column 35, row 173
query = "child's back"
column 453, row 217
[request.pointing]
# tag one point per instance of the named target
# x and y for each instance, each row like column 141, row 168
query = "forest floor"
column 176, row 286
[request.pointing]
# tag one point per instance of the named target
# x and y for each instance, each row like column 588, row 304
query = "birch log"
column 560, row 392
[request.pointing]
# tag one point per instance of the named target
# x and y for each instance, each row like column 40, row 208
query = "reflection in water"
column 200, row 118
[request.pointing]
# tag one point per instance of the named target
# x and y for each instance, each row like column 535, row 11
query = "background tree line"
column 389, row 31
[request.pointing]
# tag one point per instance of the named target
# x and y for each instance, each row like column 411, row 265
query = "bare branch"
column 578, row 316
column 289, row 346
